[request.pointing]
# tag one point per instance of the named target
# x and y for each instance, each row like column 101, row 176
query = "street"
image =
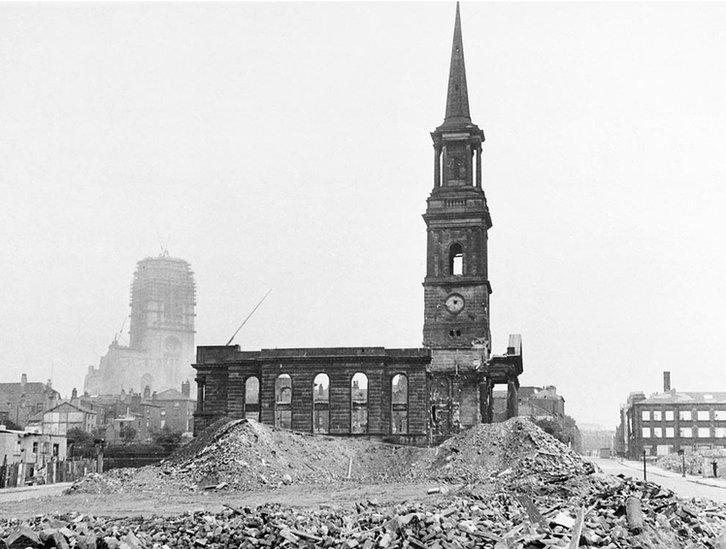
column 684, row 487
column 31, row 492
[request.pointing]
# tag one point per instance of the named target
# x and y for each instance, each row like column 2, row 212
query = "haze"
column 286, row 146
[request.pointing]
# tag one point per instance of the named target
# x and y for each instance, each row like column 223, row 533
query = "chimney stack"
column 23, row 380
column 185, row 389
column 666, row 382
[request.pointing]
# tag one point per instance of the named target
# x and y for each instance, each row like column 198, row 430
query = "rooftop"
column 676, row 397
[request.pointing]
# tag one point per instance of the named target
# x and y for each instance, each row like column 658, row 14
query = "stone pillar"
column 437, row 166
column 200, row 394
column 478, row 167
column 512, row 400
column 486, row 400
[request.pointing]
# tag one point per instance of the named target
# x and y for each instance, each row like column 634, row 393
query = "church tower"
column 456, row 287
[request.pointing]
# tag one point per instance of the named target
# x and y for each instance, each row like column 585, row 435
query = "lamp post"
column 645, row 473
column 683, row 462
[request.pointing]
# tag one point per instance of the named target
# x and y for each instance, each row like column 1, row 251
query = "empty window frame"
column 657, row 415
column 252, row 398
column 669, row 415
column 456, row 260
column 684, row 415
column 399, row 405
column 703, row 415
column 645, row 415
column 359, row 403
column 704, row 432
column 670, row 432
column 283, row 401
column 321, row 404
column 646, row 432
column 686, row 432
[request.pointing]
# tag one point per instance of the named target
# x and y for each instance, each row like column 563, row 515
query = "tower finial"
column 457, row 98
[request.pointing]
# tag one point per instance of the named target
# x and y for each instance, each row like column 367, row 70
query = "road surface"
column 689, row 487
column 31, row 492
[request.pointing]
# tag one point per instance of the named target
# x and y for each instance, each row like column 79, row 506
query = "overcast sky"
column 287, row 146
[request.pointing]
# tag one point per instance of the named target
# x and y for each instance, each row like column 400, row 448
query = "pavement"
column 688, row 487
column 31, row 492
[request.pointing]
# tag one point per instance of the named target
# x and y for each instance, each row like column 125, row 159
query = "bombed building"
column 161, row 332
column 416, row 395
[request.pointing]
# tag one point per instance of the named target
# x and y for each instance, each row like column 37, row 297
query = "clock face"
column 454, row 303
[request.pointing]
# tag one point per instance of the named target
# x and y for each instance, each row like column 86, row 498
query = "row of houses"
column 38, row 408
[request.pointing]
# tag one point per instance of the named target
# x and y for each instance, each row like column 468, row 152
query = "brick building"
column 672, row 420
column 63, row 417
column 26, row 399
column 418, row 395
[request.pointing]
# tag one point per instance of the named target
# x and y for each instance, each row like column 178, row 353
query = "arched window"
column 321, row 404
column 456, row 260
column 399, row 405
column 283, row 401
column 252, row 398
column 359, row 403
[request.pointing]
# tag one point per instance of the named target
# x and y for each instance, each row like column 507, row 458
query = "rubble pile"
column 521, row 488
column 472, row 517
column 497, row 449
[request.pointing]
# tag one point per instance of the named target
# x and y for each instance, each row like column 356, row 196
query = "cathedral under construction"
column 161, row 332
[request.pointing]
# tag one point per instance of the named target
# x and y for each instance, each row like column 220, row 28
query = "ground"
column 48, row 499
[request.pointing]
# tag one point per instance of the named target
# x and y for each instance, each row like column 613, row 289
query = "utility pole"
column 683, row 462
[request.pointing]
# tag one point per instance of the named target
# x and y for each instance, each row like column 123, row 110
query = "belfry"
column 412, row 395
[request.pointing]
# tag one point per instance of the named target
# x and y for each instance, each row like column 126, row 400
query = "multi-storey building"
column 161, row 332
column 26, row 399
column 672, row 420
column 418, row 395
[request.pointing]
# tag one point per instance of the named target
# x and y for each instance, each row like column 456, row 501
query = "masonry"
column 418, row 395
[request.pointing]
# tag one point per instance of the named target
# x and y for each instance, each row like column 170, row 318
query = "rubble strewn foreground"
column 521, row 488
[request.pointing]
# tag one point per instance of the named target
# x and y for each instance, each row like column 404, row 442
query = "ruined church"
column 417, row 395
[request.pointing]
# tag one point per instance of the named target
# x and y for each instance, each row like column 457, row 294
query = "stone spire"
column 457, row 99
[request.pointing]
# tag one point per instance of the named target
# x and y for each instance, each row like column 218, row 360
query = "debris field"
column 500, row 486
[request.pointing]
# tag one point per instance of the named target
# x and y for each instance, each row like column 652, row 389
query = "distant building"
column 30, row 447
column 60, row 419
column 148, row 413
column 670, row 421
column 596, row 440
column 533, row 402
column 23, row 400
column 161, row 334
column 176, row 410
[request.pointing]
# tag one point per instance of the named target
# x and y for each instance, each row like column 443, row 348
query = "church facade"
column 417, row 395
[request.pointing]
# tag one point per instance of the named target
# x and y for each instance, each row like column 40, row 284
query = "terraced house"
column 666, row 422
column 414, row 395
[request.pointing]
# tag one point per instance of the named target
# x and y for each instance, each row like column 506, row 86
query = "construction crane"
column 249, row 315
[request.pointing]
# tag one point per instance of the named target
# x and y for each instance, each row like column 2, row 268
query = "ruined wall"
column 226, row 388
